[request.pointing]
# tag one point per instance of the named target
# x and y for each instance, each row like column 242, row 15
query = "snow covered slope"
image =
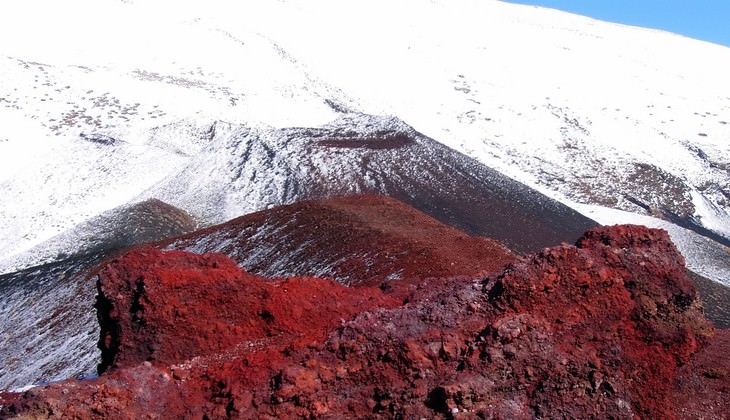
column 94, row 92
column 599, row 113
column 125, row 226
column 48, row 323
column 117, row 99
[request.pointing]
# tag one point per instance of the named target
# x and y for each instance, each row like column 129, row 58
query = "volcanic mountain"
column 244, row 169
column 622, row 118
column 518, row 124
column 600, row 329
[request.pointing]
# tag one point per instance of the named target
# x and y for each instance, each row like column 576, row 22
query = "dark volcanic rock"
column 715, row 297
column 597, row 330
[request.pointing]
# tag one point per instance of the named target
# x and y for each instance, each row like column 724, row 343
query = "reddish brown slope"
column 598, row 330
column 702, row 388
column 351, row 239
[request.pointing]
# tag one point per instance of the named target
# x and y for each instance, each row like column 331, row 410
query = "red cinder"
column 610, row 328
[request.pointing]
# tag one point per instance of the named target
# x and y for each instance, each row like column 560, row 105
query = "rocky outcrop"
column 169, row 307
column 621, row 317
column 600, row 329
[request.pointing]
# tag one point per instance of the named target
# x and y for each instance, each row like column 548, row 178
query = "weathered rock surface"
column 168, row 307
column 601, row 329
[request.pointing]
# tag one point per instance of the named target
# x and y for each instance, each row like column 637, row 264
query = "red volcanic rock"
column 7, row 398
column 622, row 314
column 166, row 307
column 594, row 331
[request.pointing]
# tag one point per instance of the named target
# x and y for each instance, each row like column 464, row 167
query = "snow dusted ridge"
column 101, row 101
column 247, row 169
column 127, row 225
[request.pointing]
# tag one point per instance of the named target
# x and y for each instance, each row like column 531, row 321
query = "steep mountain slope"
column 48, row 323
column 47, row 319
column 594, row 112
column 87, row 129
column 246, row 169
column 47, row 313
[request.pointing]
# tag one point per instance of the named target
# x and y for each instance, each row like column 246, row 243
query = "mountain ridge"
column 621, row 117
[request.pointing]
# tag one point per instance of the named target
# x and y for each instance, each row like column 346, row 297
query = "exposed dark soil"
column 374, row 143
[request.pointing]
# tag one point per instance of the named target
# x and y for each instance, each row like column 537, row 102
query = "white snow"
column 564, row 103
column 711, row 217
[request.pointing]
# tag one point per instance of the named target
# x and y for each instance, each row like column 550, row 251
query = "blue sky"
column 708, row 20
